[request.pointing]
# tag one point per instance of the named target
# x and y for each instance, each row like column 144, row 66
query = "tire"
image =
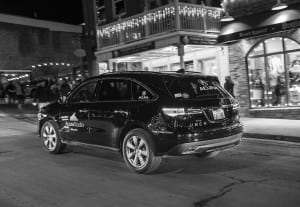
column 208, row 154
column 138, row 152
column 51, row 139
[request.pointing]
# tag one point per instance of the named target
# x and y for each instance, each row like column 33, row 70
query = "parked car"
column 144, row 115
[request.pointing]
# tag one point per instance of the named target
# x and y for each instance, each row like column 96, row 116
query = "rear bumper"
column 206, row 146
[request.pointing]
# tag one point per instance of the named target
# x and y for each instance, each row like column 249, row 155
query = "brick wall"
column 238, row 72
column 23, row 46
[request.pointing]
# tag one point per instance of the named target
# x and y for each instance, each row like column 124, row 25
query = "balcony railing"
column 183, row 17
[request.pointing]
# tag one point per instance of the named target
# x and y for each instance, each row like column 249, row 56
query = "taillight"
column 173, row 112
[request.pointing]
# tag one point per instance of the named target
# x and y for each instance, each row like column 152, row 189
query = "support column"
column 180, row 48
column 90, row 40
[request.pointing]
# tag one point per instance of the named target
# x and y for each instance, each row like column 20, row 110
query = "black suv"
column 144, row 115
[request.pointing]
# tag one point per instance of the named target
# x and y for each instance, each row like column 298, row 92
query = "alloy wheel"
column 50, row 137
column 137, row 152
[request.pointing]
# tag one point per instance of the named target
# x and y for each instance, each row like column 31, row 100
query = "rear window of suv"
column 194, row 88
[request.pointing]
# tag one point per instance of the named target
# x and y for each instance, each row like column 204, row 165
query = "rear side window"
column 194, row 88
column 115, row 89
column 141, row 93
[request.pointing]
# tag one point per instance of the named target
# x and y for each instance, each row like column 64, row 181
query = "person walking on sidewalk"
column 2, row 94
column 11, row 92
column 43, row 94
column 229, row 85
column 20, row 95
column 65, row 88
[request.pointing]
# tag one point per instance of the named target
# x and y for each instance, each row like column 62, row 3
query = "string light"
column 158, row 15
column 51, row 64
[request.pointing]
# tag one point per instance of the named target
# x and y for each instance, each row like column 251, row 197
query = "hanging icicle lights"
column 153, row 17
column 52, row 64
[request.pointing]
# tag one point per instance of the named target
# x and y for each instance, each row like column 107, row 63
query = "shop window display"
column 293, row 65
column 274, row 73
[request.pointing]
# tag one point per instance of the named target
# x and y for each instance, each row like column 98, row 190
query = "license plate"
column 218, row 114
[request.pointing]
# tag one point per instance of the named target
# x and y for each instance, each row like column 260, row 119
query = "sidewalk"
column 260, row 128
column 28, row 110
column 276, row 129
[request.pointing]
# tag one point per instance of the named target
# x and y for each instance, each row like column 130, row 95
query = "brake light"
column 173, row 111
column 181, row 111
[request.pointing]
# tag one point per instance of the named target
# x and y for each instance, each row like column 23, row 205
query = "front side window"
column 274, row 73
column 115, row 90
column 86, row 93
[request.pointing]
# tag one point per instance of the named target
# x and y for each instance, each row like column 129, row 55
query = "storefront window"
column 293, row 66
column 291, row 44
column 274, row 73
column 274, row 45
column 258, row 50
column 257, row 81
column 276, row 81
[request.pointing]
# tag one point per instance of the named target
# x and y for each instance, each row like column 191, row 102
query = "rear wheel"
column 138, row 152
column 51, row 138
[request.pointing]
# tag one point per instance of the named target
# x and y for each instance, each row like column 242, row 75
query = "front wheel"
column 51, row 138
column 138, row 152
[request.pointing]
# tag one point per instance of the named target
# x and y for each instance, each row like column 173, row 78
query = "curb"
column 272, row 137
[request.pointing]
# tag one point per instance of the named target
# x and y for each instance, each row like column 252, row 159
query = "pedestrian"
column 229, row 85
column 65, row 88
column 54, row 91
column 43, row 94
column 11, row 92
column 20, row 94
column 2, row 94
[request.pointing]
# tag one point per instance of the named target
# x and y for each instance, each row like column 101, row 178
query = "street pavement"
column 255, row 173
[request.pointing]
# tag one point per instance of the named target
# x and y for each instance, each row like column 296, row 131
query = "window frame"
column 101, row 7
column 115, row 15
column 265, row 56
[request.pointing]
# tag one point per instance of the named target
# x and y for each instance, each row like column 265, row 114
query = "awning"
column 261, row 24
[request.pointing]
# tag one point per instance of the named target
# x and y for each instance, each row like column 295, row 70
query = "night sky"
column 66, row 11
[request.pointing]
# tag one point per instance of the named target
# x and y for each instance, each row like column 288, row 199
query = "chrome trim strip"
column 219, row 142
column 75, row 143
column 206, row 146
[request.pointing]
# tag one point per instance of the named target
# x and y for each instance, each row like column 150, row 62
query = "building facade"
column 33, row 49
column 264, row 57
column 160, row 35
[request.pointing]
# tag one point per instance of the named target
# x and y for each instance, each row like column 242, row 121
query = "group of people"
column 43, row 92
column 14, row 92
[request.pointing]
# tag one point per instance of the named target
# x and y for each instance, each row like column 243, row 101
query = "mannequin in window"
column 294, row 72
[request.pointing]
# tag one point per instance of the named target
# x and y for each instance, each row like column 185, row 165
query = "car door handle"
column 83, row 110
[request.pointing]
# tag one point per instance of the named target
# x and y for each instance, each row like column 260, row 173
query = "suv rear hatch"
column 199, row 104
